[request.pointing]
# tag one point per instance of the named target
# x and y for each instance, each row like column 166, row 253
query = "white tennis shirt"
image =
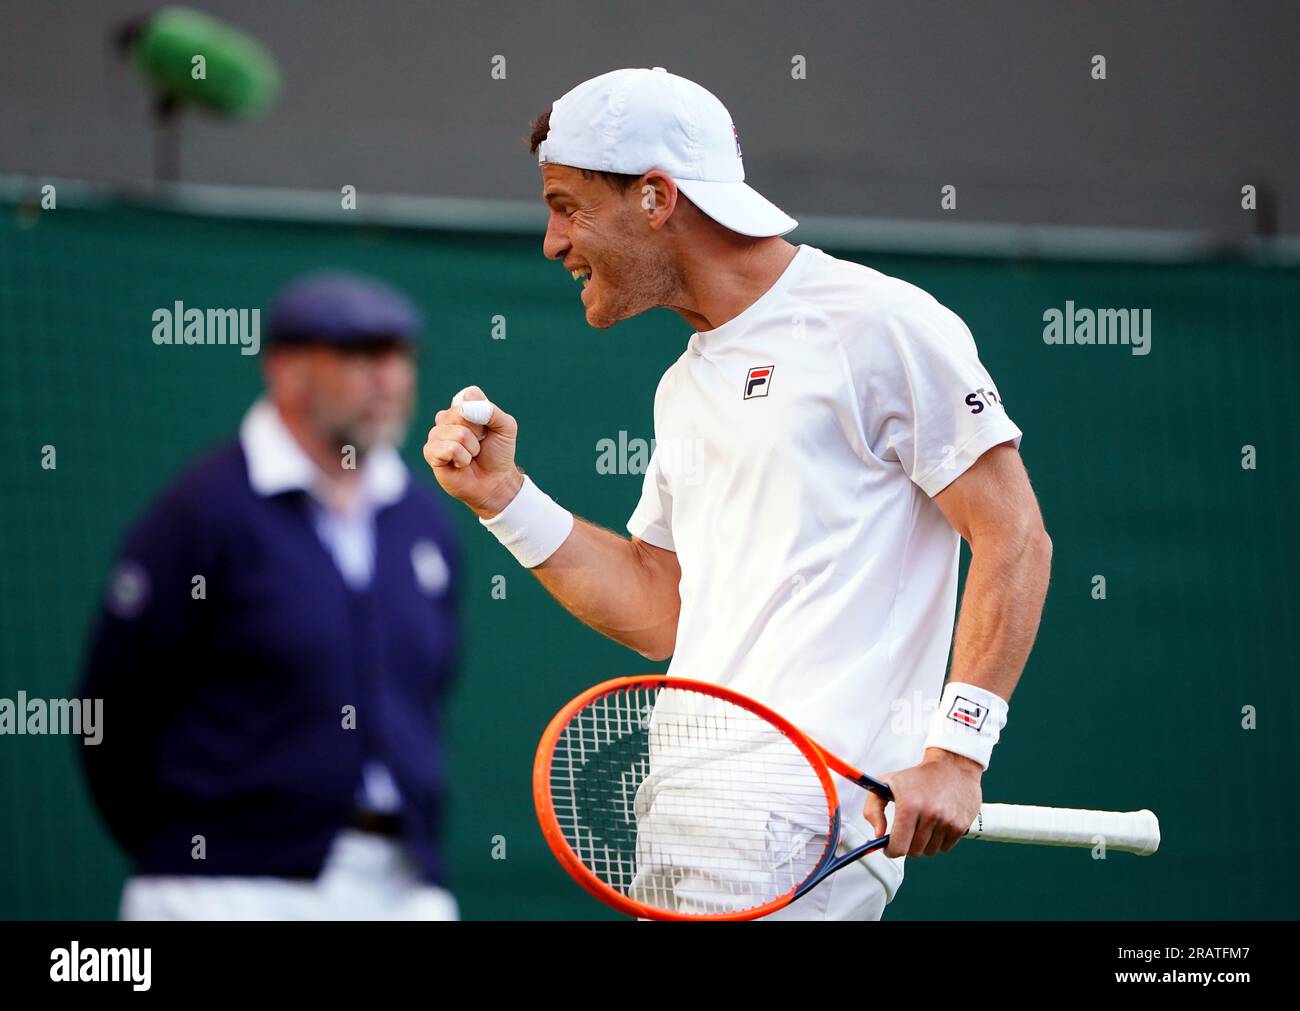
column 798, row 447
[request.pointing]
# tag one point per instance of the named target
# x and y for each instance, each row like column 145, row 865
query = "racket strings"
column 687, row 802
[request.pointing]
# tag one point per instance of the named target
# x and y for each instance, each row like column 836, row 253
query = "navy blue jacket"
column 224, row 717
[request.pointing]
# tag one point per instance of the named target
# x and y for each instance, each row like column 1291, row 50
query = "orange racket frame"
column 822, row 762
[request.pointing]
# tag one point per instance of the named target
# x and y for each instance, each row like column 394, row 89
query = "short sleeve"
column 929, row 403
column 652, row 520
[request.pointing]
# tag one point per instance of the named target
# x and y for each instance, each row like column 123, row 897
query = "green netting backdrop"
column 1131, row 701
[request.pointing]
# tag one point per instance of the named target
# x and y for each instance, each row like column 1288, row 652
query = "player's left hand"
column 935, row 803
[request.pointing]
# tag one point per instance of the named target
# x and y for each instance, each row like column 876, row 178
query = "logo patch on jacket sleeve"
column 431, row 571
column 967, row 713
column 759, row 381
column 128, row 590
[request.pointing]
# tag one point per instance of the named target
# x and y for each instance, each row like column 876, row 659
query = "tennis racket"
column 674, row 799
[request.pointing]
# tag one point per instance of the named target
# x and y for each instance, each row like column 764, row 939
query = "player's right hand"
column 475, row 463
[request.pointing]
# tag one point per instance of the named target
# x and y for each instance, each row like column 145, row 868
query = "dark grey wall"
column 900, row 98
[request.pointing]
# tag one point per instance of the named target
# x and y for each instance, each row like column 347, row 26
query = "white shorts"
column 365, row 877
column 851, row 893
column 768, row 854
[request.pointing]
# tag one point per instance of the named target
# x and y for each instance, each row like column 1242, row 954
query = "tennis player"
column 825, row 441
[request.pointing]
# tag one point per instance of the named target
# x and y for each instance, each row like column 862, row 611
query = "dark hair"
column 617, row 181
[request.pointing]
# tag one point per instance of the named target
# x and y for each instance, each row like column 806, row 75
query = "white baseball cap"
column 632, row 121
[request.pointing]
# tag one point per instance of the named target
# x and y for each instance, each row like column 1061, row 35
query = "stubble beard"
column 648, row 279
column 361, row 435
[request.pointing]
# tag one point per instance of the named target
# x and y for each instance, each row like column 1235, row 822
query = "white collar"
column 276, row 463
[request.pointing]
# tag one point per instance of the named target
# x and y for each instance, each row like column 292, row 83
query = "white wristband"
column 968, row 722
column 532, row 526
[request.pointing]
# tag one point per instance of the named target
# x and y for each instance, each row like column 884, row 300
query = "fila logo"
column 758, row 381
column 737, row 137
column 967, row 713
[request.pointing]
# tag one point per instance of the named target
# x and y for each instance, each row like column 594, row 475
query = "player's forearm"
column 1006, row 585
column 624, row 589
column 608, row 582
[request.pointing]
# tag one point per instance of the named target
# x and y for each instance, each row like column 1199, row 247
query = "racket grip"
column 1128, row 831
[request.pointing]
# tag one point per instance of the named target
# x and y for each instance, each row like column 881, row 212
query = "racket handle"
column 1129, row 831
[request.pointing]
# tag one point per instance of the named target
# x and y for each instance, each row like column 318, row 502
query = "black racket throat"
column 880, row 789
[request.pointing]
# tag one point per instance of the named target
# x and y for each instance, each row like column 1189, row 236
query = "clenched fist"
column 475, row 463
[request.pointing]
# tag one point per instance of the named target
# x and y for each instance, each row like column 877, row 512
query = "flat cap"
column 339, row 309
